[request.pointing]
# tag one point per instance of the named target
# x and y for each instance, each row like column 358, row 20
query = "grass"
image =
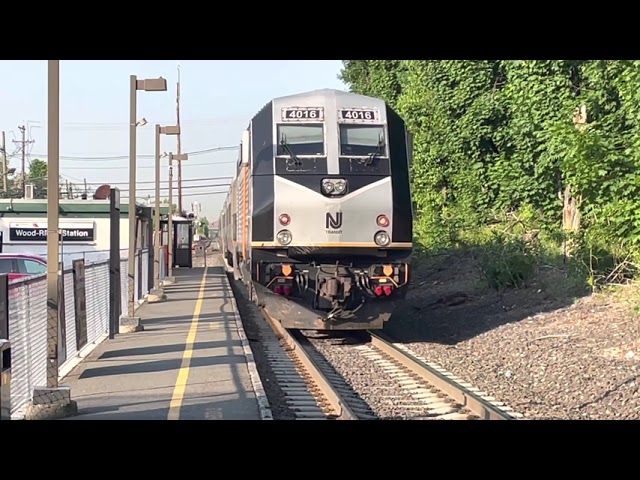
column 511, row 256
column 627, row 295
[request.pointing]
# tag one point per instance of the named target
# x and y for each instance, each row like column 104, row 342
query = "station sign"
column 80, row 232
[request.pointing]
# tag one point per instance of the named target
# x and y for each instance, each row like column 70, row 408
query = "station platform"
column 192, row 361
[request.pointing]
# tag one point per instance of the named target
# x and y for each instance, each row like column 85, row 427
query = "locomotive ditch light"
column 382, row 221
column 285, row 219
column 286, row 269
column 387, row 270
column 284, row 237
column 382, row 238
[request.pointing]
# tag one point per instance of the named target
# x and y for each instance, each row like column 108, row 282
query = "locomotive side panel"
column 263, row 192
column 401, row 185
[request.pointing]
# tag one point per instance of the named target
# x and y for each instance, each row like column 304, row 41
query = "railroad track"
column 450, row 397
column 315, row 390
column 329, row 400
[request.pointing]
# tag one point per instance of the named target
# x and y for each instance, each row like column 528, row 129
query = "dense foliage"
column 500, row 143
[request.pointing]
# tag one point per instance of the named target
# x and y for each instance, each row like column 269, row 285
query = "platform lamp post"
column 53, row 205
column 52, row 401
column 179, row 157
column 131, row 323
column 157, row 292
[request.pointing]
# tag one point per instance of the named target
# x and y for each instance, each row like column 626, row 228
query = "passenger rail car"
column 318, row 220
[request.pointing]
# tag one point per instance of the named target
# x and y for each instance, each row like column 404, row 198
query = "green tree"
column 497, row 139
column 38, row 177
column 203, row 226
column 165, row 201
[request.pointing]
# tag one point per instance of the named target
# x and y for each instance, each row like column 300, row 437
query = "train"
column 318, row 219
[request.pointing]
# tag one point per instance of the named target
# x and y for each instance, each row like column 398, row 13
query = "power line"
column 186, row 164
column 223, row 192
column 203, row 122
column 162, row 181
column 152, row 189
column 144, row 182
column 126, row 157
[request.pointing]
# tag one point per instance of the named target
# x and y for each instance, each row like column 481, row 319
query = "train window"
column 300, row 140
column 362, row 140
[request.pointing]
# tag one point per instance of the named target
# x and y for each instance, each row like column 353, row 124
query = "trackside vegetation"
column 526, row 165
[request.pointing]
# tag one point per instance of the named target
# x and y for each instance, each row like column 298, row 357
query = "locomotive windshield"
column 294, row 140
column 362, row 140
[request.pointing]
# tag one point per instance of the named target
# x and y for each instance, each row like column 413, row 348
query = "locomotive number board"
column 358, row 115
column 297, row 114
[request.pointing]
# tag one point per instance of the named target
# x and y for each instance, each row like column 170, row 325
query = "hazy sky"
column 217, row 100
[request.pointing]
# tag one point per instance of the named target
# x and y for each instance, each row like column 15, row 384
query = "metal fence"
column 28, row 322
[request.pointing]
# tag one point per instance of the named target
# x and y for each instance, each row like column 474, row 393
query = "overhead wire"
column 164, row 181
column 204, row 122
column 222, row 192
column 186, row 187
column 84, row 158
column 186, row 164
column 117, row 126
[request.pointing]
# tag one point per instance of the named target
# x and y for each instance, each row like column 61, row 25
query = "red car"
column 20, row 265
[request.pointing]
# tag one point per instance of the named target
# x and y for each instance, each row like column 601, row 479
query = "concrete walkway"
column 187, row 364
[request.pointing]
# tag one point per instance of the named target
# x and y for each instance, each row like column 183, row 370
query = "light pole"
column 169, row 130
column 52, row 401
column 130, row 323
column 180, row 157
column 53, row 205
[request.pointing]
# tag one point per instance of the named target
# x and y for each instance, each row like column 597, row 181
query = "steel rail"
column 465, row 397
column 334, row 398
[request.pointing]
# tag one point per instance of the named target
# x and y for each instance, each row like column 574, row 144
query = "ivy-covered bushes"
column 552, row 143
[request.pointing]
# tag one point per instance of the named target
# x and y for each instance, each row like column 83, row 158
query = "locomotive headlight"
column 334, row 186
column 382, row 238
column 327, row 186
column 340, row 186
column 284, row 237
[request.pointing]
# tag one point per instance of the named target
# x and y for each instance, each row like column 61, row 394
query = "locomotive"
column 318, row 220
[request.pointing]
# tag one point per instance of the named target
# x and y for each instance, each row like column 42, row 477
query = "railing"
column 28, row 322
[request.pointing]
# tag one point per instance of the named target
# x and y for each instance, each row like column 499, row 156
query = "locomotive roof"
column 325, row 92
column 348, row 97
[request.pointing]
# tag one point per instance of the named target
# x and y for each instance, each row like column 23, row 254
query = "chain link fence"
column 28, row 322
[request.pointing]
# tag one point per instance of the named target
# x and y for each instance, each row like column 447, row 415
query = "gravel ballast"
column 537, row 350
column 543, row 353
column 256, row 330
column 366, row 378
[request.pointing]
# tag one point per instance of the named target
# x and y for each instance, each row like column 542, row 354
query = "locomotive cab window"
column 362, row 140
column 298, row 140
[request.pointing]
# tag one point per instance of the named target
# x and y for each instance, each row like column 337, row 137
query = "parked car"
column 20, row 265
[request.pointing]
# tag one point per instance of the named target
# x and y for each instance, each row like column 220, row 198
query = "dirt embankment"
column 546, row 354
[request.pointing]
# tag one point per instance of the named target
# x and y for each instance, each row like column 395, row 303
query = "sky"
column 217, row 100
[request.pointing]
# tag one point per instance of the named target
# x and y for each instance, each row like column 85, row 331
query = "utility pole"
column 23, row 147
column 4, row 163
column 179, row 145
column 24, row 158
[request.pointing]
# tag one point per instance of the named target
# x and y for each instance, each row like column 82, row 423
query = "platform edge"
column 258, row 389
